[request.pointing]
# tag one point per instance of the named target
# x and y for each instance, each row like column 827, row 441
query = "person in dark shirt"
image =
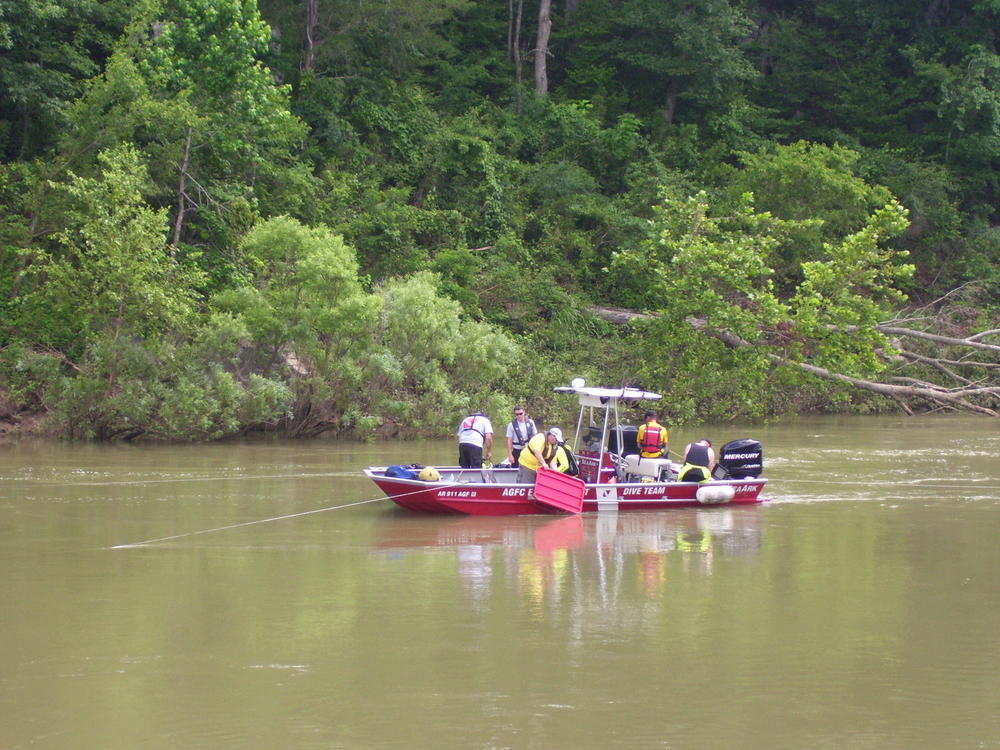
column 699, row 460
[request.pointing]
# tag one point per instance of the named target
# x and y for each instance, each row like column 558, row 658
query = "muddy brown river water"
column 288, row 607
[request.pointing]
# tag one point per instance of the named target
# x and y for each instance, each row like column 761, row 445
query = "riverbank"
column 18, row 423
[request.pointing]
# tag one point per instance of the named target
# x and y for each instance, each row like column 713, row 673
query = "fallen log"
column 970, row 397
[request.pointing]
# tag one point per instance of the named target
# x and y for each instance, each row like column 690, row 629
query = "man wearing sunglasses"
column 519, row 431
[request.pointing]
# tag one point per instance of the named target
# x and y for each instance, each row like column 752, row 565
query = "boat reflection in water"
column 543, row 555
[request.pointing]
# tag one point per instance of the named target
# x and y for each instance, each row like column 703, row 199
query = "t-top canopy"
column 592, row 396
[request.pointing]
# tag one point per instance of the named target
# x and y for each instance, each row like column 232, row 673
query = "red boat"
column 614, row 477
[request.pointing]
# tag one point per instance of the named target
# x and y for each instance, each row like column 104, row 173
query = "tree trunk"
column 515, row 51
column 510, row 30
column 670, row 108
column 311, row 23
column 181, row 195
column 542, row 47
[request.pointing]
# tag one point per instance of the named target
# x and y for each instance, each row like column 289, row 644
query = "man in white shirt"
column 474, row 434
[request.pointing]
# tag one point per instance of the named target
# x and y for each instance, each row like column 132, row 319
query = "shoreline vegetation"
column 224, row 217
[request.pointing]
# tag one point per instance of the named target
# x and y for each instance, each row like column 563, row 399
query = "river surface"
column 258, row 595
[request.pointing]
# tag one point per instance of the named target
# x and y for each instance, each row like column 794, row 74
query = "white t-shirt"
column 474, row 429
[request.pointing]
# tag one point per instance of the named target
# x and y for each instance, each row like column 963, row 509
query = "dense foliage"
column 307, row 215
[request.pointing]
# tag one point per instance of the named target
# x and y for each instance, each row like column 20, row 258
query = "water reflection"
column 546, row 556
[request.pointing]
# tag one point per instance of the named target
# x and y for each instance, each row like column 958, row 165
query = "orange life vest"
column 651, row 440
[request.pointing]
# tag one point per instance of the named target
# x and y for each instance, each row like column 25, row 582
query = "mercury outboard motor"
column 740, row 459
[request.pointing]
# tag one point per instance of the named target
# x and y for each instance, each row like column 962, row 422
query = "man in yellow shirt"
column 544, row 449
column 652, row 437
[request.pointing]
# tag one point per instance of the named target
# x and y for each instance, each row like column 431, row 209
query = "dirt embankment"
column 17, row 422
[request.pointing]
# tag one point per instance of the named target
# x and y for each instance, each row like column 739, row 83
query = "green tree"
column 339, row 37
column 109, row 273
column 816, row 187
column 674, row 62
column 847, row 293
column 436, row 362
column 912, row 87
column 47, row 51
column 307, row 316
column 104, row 315
column 710, row 281
column 188, row 88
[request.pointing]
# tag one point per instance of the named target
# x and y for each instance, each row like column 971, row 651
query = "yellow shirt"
column 561, row 462
column 540, row 442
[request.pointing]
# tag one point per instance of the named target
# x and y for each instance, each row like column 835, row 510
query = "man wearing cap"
column 699, row 460
column 652, row 437
column 544, row 449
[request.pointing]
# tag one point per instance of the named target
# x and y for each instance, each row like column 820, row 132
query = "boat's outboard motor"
column 740, row 459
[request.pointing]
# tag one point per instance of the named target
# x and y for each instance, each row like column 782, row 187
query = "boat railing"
column 486, row 475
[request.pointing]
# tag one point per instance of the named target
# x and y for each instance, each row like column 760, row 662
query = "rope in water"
column 245, row 523
column 456, row 484
column 264, row 520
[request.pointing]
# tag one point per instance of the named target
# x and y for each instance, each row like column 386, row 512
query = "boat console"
column 658, row 469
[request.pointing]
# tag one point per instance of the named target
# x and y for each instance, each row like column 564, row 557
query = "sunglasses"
column 518, row 413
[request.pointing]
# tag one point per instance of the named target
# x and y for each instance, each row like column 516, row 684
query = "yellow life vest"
column 697, row 452
column 705, row 473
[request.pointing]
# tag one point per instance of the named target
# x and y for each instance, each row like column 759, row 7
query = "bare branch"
column 983, row 334
column 937, row 338
column 620, row 315
column 936, row 364
column 932, row 394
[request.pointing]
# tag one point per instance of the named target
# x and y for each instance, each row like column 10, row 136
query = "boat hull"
column 462, row 492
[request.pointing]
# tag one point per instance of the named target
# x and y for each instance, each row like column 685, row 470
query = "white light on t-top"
column 577, row 382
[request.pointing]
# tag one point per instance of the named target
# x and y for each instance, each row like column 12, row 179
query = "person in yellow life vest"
column 652, row 437
column 699, row 460
column 544, row 449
